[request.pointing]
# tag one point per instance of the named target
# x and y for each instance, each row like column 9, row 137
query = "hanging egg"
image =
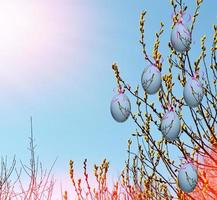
column 193, row 92
column 180, row 38
column 151, row 79
column 120, row 107
column 187, row 177
column 170, row 125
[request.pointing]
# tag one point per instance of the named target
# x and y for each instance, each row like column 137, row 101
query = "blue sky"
column 57, row 69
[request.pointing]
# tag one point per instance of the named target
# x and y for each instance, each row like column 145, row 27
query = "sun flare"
column 23, row 28
column 38, row 40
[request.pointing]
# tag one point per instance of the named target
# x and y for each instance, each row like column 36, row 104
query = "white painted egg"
column 180, row 38
column 120, row 107
column 151, row 79
column 170, row 125
column 193, row 92
column 187, row 177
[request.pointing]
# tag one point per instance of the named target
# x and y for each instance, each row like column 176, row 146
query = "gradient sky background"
column 55, row 65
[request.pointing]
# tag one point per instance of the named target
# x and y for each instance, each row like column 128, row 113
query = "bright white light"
column 39, row 41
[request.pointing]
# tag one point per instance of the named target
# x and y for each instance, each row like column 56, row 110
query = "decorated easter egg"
column 187, row 177
column 170, row 125
column 120, row 107
column 180, row 38
column 193, row 92
column 151, row 79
